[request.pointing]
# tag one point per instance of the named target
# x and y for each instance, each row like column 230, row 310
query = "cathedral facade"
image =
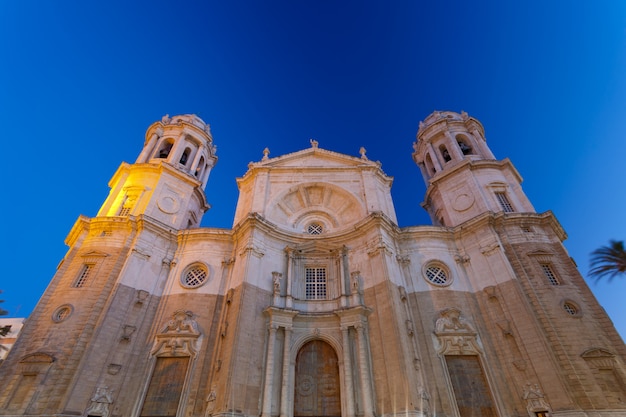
column 316, row 303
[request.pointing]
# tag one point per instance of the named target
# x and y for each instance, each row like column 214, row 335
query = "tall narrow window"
column 185, row 156
column 464, row 147
column 549, row 273
column 127, row 205
column 165, row 150
column 315, row 283
column 83, row 276
column 504, row 202
column 444, row 153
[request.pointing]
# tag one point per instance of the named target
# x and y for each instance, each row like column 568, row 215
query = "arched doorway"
column 317, row 388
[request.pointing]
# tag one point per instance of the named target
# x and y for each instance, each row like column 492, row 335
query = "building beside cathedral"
column 316, row 303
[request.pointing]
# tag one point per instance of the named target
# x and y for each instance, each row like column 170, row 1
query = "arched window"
column 185, row 156
column 429, row 164
column 164, row 150
column 200, row 168
column 463, row 145
column 444, row 153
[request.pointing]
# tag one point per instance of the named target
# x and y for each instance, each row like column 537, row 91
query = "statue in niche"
column 276, row 276
column 357, row 287
column 100, row 402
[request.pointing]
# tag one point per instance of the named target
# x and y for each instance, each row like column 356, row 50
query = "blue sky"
column 80, row 82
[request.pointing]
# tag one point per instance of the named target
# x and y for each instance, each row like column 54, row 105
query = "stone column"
column 483, row 149
column 347, row 372
column 289, row 278
column 193, row 166
column 284, row 394
column 144, row 156
column 435, row 157
column 364, row 373
column 269, row 372
column 453, row 147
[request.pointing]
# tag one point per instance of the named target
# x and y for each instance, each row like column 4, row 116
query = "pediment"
column 595, row 353
column 316, row 248
column 94, row 254
column 314, row 158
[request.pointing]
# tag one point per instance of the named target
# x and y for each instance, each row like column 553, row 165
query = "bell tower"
column 462, row 176
column 168, row 179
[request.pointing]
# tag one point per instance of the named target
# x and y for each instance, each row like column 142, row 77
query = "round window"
column 194, row 276
column 570, row 308
column 62, row 313
column 436, row 274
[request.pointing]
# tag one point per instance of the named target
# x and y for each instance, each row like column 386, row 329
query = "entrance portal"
column 317, row 381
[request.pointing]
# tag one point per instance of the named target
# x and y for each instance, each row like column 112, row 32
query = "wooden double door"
column 317, row 388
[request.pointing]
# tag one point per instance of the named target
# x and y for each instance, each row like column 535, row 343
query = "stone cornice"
column 471, row 165
column 125, row 169
column 374, row 220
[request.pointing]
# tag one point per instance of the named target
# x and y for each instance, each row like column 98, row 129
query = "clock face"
column 168, row 204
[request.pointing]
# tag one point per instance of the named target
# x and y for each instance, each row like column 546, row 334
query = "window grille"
column 82, row 277
column 552, row 278
column 315, row 283
column 315, row 229
column 436, row 275
column 570, row 309
column 124, row 211
column 194, row 277
column 504, row 202
column 61, row 313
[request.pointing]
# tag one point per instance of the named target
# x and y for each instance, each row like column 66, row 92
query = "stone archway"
column 317, row 387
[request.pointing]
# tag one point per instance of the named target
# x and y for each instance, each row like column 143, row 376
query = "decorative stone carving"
column 141, row 296
column 100, row 402
column 355, row 282
column 276, row 278
column 403, row 295
column 462, row 258
column 114, row 368
column 409, row 327
column 314, row 143
column 456, row 336
column 535, row 399
column 127, row 332
column 362, row 151
column 178, row 337
column 266, row 153
column 210, row 400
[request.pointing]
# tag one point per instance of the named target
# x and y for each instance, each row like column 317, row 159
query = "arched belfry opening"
column 317, row 384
